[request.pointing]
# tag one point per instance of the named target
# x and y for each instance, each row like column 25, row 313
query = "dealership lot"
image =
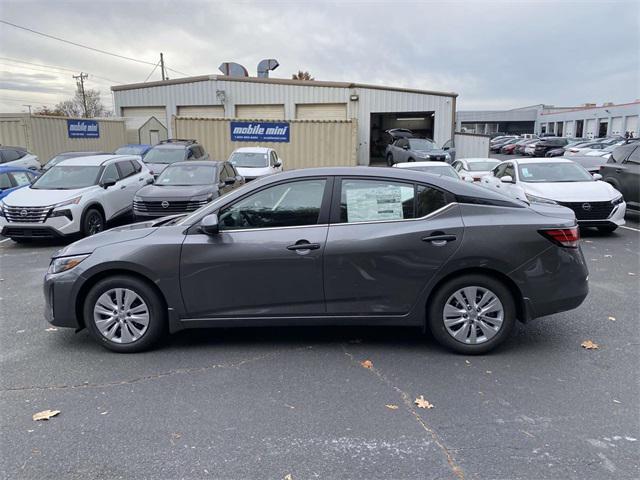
column 274, row 402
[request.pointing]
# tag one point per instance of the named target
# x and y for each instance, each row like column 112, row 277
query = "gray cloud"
column 495, row 54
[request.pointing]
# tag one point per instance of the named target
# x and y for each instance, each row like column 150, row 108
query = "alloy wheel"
column 95, row 224
column 121, row 315
column 473, row 315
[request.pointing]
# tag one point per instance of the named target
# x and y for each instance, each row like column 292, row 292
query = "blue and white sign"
column 83, row 129
column 260, row 132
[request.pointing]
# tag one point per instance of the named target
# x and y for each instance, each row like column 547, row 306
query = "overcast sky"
column 494, row 54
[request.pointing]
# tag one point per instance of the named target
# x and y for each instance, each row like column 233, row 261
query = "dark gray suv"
column 330, row 246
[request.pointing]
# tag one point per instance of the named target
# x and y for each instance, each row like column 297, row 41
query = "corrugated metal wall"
column 313, row 143
column 47, row 136
column 470, row 145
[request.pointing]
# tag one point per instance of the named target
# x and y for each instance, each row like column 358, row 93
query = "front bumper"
column 60, row 299
column 52, row 227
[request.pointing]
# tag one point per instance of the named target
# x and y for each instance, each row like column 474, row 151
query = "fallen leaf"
column 608, row 256
column 421, row 402
column 613, row 319
column 104, row 413
column 20, row 331
column 632, row 274
column 616, row 401
column 489, row 371
column 467, row 362
column 391, row 406
column 589, row 345
column 51, row 329
column 367, row 364
column 45, row 415
column 288, row 477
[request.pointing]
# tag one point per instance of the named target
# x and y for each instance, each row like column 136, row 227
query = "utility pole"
column 162, row 66
column 80, row 82
column 29, row 107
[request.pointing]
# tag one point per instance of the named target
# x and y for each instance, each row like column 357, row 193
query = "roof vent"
column 265, row 65
column 232, row 69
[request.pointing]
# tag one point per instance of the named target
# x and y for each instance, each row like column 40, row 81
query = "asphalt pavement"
column 296, row 403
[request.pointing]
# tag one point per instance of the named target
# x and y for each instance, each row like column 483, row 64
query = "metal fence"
column 312, row 143
column 471, row 145
column 48, row 136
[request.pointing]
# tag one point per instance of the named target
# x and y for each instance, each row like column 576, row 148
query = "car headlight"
column 615, row 201
column 62, row 264
column 535, row 199
column 73, row 201
column 447, row 156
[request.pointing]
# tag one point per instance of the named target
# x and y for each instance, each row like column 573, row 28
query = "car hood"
column 435, row 151
column 253, row 172
column 596, row 191
column 32, row 197
column 156, row 168
column 160, row 192
column 121, row 234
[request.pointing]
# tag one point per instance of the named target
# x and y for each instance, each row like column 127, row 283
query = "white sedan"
column 476, row 168
column 254, row 162
column 434, row 168
column 563, row 182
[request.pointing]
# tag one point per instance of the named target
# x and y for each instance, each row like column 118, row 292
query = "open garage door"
column 145, row 113
column 420, row 123
column 321, row 111
column 260, row 112
column 201, row 111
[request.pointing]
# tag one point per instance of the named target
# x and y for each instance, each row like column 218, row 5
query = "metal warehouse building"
column 370, row 109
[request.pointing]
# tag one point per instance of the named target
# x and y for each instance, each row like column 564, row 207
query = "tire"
column 390, row 161
column 120, row 333
column 92, row 222
column 411, row 160
column 465, row 345
column 22, row 240
column 607, row 228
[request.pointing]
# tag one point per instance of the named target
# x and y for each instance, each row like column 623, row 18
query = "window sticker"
column 525, row 172
column 376, row 203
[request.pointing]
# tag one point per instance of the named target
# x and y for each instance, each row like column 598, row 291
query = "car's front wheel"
column 124, row 314
column 92, row 222
column 390, row 161
column 471, row 314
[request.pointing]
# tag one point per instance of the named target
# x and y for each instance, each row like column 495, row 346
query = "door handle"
column 140, row 179
column 304, row 245
column 122, row 187
column 618, row 170
column 439, row 240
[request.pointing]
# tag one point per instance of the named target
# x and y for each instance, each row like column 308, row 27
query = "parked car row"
column 81, row 192
column 552, row 146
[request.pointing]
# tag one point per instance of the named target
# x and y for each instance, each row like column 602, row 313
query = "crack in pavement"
column 456, row 469
column 155, row 376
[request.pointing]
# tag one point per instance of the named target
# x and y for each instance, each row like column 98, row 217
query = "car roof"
column 174, row 146
column 11, row 168
column 198, row 163
column 479, row 159
column 95, row 160
column 524, row 161
column 422, row 164
column 252, row 149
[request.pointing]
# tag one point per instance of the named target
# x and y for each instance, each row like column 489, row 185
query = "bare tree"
column 302, row 76
column 50, row 112
column 75, row 106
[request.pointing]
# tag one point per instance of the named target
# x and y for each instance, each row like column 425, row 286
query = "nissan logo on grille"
column 24, row 212
column 586, row 207
column 165, row 204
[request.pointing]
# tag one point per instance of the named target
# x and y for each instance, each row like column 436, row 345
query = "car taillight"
column 565, row 237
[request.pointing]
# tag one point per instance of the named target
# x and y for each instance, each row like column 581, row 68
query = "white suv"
column 78, row 195
column 18, row 157
column 255, row 162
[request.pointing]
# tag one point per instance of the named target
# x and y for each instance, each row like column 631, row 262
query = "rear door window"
column 634, row 157
column 429, row 200
column 110, row 173
column 9, row 155
column 126, row 168
column 376, row 200
column 21, row 178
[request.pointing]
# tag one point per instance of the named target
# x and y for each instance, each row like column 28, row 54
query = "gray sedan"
column 330, row 246
column 415, row 150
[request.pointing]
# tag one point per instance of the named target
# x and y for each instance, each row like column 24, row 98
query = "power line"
column 57, row 67
column 149, row 76
column 98, row 50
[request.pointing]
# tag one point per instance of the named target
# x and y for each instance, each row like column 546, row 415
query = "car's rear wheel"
column 92, row 222
column 471, row 314
column 390, row 161
column 124, row 314
column 607, row 228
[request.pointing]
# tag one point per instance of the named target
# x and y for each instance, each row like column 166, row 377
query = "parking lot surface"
column 297, row 402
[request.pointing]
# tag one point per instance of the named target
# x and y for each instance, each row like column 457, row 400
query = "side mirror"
column 405, row 147
column 229, row 180
column 597, row 176
column 278, row 164
column 150, row 180
column 446, row 148
column 467, row 178
column 107, row 184
column 239, row 178
column 209, row 224
column 507, row 179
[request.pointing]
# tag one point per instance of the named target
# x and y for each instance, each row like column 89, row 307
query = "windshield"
column 249, row 159
column 482, row 166
column 164, row 155
column 553, row 172
column 185, row 174
column 131, row 150
column 421, row 144
column 66, row 177
column 445, row 171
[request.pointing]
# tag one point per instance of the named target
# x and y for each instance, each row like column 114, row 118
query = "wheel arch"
column 516, row 293
column 89, row 206
column 94, row 279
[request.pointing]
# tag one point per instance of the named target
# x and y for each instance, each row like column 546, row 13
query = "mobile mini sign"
column 260, row 131
column 83, row 129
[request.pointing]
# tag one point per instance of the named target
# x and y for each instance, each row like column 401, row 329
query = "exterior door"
column 154, row 137
column 130, row 182
column 266, row 259
column 386, row 240
column 115, row 196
